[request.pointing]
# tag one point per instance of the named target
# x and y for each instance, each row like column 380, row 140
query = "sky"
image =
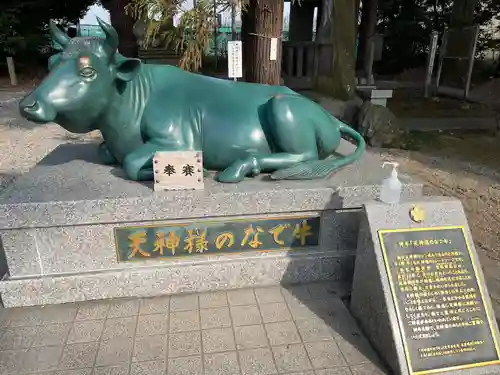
column 99, row 11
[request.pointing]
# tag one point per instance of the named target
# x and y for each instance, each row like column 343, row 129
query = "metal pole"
column 471, row 63
column 12, row 71
column 233, row 22
column 442, row 53
column 430, row 62
column 215, row 34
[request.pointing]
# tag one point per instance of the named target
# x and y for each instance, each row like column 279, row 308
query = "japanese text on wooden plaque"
column 439, row 299
column 196, row 238
column 178, row 170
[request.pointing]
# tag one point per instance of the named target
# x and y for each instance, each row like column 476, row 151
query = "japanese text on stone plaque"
column 439, row 299
column 148, row 242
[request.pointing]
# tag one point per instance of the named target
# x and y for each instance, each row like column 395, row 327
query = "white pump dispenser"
column 391, row 186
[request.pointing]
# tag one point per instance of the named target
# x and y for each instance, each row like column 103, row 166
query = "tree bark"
column 343, row 85
column 124, row 25
column 263, row 21
column 366, row 31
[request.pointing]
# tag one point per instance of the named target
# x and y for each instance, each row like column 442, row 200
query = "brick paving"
column 301, row 330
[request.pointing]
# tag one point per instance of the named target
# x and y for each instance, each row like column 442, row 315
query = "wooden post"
column 12, row 71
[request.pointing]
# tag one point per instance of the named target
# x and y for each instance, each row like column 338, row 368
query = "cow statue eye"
column 88, row 72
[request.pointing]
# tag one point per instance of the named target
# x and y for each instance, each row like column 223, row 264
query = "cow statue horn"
column 58, row 35
column 111, row 34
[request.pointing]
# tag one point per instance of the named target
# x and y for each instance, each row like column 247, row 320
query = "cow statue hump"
column 242, row 129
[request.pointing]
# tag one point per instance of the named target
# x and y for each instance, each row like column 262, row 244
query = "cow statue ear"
column 127, row 69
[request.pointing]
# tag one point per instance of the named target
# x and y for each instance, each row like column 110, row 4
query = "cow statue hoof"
column 242, row 128
column 239, row 170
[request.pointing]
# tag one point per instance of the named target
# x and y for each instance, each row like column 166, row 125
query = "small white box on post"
column 235, row 59
column 178, row 170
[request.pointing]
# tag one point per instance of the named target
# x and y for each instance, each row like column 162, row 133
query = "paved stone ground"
column 301, row 330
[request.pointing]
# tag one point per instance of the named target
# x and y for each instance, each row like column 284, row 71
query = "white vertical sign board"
column 273, row 53
column 235, row 59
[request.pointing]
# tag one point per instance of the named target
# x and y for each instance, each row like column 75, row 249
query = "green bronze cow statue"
column 242, row 129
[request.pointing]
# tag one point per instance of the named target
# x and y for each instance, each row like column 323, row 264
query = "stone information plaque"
column 213, row 237
column 178, row 170
column 439, row 300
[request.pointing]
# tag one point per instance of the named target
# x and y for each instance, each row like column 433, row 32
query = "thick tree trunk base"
column 262, row 22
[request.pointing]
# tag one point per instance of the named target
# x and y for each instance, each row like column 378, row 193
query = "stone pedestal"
column 57, row 227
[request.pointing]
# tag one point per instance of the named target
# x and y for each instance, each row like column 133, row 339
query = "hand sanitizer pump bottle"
column 391, row 186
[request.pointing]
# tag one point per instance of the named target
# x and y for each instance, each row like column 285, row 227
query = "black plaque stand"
column 419, row 292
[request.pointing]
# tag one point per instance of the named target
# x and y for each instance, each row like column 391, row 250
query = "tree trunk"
column 124, row 25
column 343, row 85
column 263, row 22
column 367, row 30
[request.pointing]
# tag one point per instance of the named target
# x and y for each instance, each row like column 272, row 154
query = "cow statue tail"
column 314, row 169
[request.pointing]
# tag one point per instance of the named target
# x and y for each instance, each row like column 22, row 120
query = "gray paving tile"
column 126, row 307
column 184, row 321
column 356, row 350
column 291, row 358
column 250, row 337
column 155, row 305
column 322, row 290
column 257, row 362
column 184, row 302
column 113, row 352
column 52, row 334
column 335, row 371
column 184, row 344
column 4, row 318
column 325, row 354
column 78, row 355
column 121, row 369
column 25, row 316
column 58, row 314
column 156, row 324
column 17, row 338
column 222, row 364
column 301, row 311
column 92, row 310
column 40, row 359
column 185, row 366
column 11, row 361
column 80, row 371
column 245, row 315
column 212, row 300
column 296, row 293
column 119, row 327
column 148, row 368
column 241, row 297
column 314, row 330
column 86, row 331
column 148, row 348
column 269, row 295
column 367, row 369
column 218, row 340
column 275, row 312
column 282, row 333
column 215, row 318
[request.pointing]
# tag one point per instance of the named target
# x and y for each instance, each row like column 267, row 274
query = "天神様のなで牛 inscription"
column 193, row 238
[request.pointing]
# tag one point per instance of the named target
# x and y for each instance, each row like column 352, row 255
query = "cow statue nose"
column 33, row 110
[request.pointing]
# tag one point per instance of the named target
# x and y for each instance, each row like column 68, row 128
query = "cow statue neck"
column 242, row 129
